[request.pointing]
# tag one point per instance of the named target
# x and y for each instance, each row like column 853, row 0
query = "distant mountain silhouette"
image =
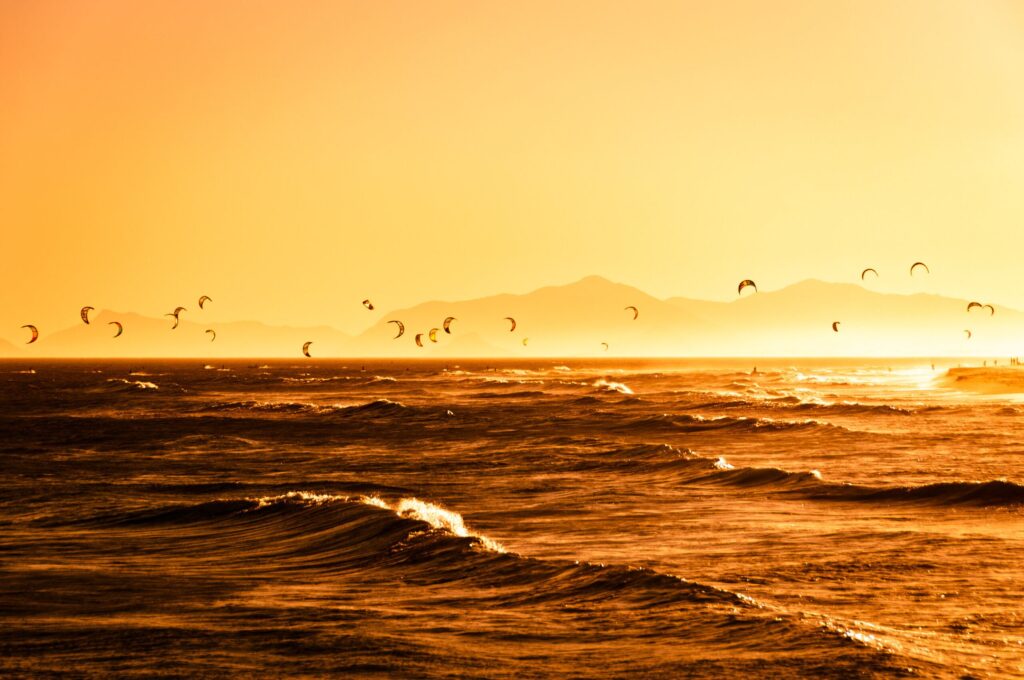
column 148, row 337
column 567, row 320
column 9, row 350
column 576, row 318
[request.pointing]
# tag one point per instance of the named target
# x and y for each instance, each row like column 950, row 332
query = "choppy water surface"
column 579, row 519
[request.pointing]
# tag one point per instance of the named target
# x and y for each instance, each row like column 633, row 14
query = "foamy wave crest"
column 437, row 517
column 137, row 384
column 612, row 386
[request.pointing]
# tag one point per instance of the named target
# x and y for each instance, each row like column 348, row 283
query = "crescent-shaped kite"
column 972, row 305
column 509, row 318
column 968, row 333
column 865, row 273
column 213, row 333
column 419, row 339
column 605, row 345
column 433, row 334
column 85, row 314
column 919, row 264
column 525, row 341
column 175, row 320
column 448, row 324
column 204, row 299
column 368, row 304
column 636, row 312
column 35, row 333
column 401, row 328
column 120, row 328
column 991, row 309
column 305, row 347
column 745, row 283
column 835, row 326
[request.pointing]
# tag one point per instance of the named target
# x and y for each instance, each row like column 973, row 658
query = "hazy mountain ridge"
column 576, row 318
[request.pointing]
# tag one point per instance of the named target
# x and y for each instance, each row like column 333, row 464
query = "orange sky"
column 290, row 162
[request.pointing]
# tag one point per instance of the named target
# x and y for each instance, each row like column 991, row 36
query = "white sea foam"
column 612, row 386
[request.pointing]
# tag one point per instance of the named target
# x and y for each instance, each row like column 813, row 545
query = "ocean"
column 508, row 519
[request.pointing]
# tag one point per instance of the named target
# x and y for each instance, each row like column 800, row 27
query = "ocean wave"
column 134, row 384
column 606, row 385
column 811, row 486
column 685, row 422
column 379, row 406
column 519, row 394
column 423, row 544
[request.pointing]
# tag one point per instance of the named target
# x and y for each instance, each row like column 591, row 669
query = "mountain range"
column 578, row 319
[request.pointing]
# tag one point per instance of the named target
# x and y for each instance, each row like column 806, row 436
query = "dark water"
column 522, row 519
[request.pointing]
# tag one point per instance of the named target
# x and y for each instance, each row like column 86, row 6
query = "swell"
column 428, row 545
column 697, row 423
column 798, row 404
column 810, row 486
column 382, row 407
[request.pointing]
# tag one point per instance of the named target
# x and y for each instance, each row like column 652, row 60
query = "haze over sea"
column 576, row 518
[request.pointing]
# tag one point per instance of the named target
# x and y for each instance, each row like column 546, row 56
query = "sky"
column 291, row 160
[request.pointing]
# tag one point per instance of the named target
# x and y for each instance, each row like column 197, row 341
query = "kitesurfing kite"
column 401, row 328
column 204, row 299
column 305, row 347
column 525, row 341
column 175, row 313
column 85, row 314
column 433, row 334
column 835, row 326
column 447, row 324
column 419, row 339
column 605, row 345
column 636, row 312
column 120, row 328
column 212, row 333
column 972, row 305
column 991, row 309
column 865, row 273
column 919, row 264
column 368, row 304
column 744, row 283
column 968, row 333
column 509, row 318
column 35, row 333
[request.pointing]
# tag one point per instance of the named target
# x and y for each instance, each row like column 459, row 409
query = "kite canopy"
column 509, row 318
column 865, row 272
column 835, row 326
column 525, row 341
column 433, row 334
column 991, row 309
column 744, row 284
column 447, row 324
column 204, row 299
column 35, row 333
column 419, row 339
column 120, row 328
column 636, row 312
column 213, row 333
column 368, row 304
column 972, row 305
column 919, row 264
column 305, row 347
column 968, row 333
column 605, row 345
column 85, row 314
column 401, row 328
